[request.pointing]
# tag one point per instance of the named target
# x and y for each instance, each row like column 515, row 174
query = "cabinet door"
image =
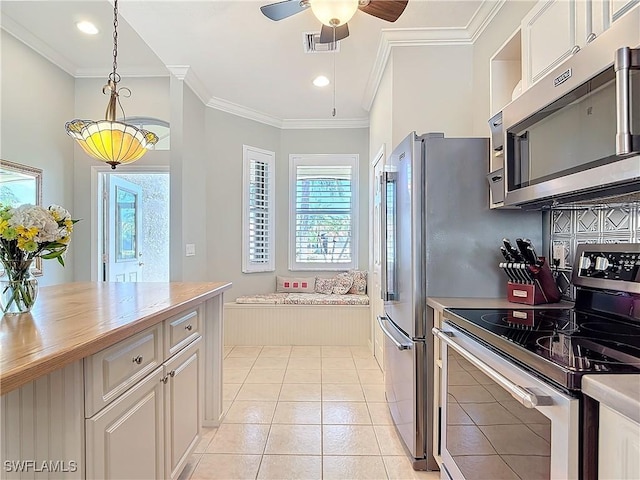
column 125, row 440
column 183, row 407
column 618, row 8
column 549, row 36
column 619, row 440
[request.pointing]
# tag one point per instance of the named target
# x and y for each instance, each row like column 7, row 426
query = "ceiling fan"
column 334, row 14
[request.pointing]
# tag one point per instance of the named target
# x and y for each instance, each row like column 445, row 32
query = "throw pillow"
column 295, row 284
column 324, row 285
column 359, row 286
column 343, row 283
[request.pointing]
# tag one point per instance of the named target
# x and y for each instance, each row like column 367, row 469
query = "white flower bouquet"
column 27, row 232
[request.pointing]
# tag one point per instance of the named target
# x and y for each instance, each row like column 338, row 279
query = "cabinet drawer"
column 181, row 330
column 113, row 370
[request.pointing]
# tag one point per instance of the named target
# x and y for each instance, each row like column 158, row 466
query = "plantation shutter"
column 258, row 213
column 324, row 214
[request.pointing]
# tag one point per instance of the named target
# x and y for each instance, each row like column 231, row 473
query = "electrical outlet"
column 190, row 249
column 558, row 254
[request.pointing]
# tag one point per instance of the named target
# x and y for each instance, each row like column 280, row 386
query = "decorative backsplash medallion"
column 596, row 224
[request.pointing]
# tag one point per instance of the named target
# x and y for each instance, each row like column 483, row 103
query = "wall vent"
column 311, row 44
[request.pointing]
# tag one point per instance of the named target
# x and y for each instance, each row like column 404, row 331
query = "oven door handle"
column 522, row 395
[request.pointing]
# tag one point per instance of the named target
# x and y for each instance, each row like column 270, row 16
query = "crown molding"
column 487, row 10
column 16, row 30
column 415, row 37
column 244, row 112
column 186, row 74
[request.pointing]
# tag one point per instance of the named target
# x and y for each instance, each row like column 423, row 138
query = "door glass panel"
column 126, row 224
column 489, row 433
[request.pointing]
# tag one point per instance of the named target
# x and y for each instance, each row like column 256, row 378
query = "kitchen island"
column 110, row 379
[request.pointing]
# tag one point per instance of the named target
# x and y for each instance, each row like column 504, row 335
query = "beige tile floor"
column 302, row 413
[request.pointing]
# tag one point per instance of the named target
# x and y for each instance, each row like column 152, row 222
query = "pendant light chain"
column 114, row 75
column 333, row 112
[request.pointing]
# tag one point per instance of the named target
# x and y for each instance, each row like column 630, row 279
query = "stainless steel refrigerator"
column 439, row 239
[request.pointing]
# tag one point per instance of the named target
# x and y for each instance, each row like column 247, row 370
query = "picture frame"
column 20, row 184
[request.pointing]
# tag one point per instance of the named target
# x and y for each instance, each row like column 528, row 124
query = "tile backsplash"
column 594, row 224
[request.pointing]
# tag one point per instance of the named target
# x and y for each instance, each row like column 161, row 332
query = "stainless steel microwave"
column 575, row 134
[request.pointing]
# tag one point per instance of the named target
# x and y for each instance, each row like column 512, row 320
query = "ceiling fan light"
column 334, row 13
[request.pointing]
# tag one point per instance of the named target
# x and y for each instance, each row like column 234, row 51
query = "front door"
column 124, row 231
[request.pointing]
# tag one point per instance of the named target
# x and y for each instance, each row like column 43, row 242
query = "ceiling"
column 238, row 60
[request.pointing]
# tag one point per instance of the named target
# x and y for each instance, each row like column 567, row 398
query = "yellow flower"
column 27, row 233
column 65, row 240
column 27, row 245
column 68, row 223
column 4, row 224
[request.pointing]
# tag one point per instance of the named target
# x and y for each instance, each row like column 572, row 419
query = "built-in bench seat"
column 297, row 319
column 303, row 299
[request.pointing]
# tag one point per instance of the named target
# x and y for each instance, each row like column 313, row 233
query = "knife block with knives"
column 530, row 279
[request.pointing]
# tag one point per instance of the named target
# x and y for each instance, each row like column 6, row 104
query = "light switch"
column 190, row 249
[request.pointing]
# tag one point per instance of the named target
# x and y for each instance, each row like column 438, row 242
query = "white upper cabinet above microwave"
column 556, row 29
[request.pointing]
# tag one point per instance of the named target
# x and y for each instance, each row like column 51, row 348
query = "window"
column 258, row 196
column 323, row 224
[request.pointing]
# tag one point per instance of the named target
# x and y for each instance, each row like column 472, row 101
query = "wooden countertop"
column 74, row 320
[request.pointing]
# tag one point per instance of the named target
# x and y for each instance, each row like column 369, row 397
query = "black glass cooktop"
column 558, row 344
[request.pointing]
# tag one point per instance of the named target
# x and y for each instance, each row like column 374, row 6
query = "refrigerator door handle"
column 388, row 289
column 399, row 345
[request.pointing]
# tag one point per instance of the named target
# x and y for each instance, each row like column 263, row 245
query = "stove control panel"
column 617, row 262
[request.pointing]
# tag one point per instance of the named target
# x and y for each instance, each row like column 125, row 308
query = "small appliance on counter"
column 530, row 279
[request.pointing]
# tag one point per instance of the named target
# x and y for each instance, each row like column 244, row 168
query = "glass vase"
column 18, row 287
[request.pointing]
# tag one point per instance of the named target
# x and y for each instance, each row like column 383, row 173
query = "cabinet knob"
column 137, row 359
column 575, row 49
column 591, row 37
column 172, row 373
column 188, row 327
column 165, row 379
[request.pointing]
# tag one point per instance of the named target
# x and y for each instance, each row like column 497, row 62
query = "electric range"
column 524, row 366
column 600, row 335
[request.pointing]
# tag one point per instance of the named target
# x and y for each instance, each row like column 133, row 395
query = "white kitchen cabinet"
column 183, row 408
column 150, row 429
column 125, row 440
column 549, row 37
column 619, row 446
column 556, row 29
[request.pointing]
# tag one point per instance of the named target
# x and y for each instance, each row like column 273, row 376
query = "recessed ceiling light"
column 87, row 27
column 321, row 81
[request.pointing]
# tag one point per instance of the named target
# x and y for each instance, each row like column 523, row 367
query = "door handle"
column 399, row 345
column 626, row 59
column 521, row 394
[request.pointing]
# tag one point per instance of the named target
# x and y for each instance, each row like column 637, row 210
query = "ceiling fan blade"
column 326, row 34
column 280, row 10
column 389, row 10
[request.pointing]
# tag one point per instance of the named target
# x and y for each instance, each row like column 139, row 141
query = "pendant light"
column 108, row 140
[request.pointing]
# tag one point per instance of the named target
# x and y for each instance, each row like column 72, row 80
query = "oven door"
column 498, row 421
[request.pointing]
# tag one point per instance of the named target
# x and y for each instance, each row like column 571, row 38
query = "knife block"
column 543, row 289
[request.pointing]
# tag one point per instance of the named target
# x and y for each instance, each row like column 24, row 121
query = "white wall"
column 432, row 90
column 226, row 135
column 37, row 100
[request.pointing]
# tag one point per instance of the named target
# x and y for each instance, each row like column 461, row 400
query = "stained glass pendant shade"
column 108, row 140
